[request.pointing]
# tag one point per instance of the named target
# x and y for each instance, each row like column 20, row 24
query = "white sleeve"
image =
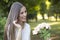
column 29, row 32
column 26, row 32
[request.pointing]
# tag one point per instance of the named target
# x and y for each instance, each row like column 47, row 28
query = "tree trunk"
column 56, row 16
column 43, row 16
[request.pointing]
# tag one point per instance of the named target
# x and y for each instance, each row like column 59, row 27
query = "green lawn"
column 55, row 29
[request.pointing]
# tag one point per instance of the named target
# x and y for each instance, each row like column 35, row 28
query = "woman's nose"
column 24, row 14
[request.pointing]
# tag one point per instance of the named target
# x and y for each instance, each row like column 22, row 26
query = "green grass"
column 55, row 29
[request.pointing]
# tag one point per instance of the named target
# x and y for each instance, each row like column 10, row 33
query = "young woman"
column 16, row 27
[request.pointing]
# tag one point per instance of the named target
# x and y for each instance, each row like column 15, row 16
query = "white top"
column 25, row 32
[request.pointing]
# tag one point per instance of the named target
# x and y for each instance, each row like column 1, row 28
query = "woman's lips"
column 24, row 17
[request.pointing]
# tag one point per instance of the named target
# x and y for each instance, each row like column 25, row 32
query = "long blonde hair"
column 13, row 15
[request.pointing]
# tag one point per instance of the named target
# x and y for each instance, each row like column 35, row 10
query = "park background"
column 38, row 11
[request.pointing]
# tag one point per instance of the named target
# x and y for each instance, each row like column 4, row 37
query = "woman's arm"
column 18, row 26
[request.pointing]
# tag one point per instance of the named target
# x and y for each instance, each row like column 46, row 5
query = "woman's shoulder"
column 27, row 24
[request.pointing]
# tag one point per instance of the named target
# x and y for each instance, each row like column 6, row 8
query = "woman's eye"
column 25, row 11
column 21, row 12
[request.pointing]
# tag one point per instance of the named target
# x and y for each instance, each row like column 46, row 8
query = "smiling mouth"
column 24, row 18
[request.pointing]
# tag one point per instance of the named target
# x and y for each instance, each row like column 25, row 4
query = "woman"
column 16, row 27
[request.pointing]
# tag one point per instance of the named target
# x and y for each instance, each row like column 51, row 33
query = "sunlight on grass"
column 45, row 16
column 39, row 16
column 52, row 18
column 54, row 23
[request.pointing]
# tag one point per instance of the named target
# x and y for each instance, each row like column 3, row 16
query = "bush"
column 2, row 23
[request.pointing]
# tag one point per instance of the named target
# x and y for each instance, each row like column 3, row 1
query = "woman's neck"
column 22, row 24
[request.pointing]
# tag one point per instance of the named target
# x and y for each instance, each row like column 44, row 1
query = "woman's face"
column 22, row 14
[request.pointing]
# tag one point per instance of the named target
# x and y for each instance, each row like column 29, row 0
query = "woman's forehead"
column 23, row 9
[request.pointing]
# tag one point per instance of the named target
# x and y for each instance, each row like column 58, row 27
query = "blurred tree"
column 43, row 8
column 55, row 8
column 6, row 4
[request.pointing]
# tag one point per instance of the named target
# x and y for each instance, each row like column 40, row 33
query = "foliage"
column 2, row 23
